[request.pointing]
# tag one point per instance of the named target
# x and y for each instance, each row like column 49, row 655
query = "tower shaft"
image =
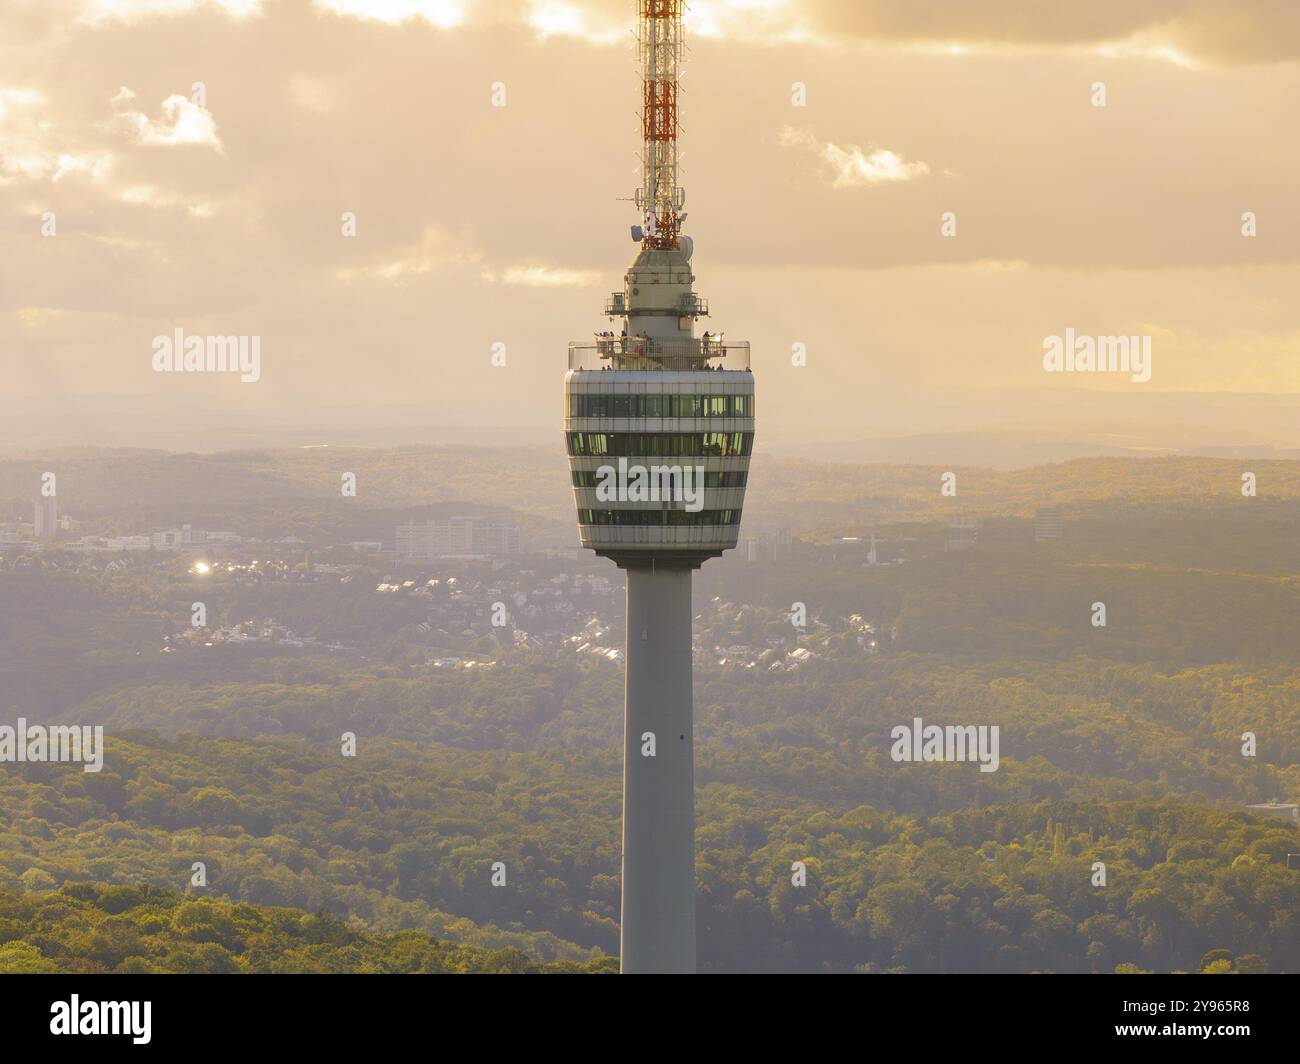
column 658, row 929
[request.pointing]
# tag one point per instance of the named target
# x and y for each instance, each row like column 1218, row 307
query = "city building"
column 46, row 520
column 457, row 537
column 961, row 535
column 767, row 546
column 1283, row 811
column 110, row 544
column 189, row 536
column 1048, row 524
column 659, row 426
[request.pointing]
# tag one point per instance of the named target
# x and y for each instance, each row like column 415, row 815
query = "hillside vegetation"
column 89, row 929
column 1120, row 745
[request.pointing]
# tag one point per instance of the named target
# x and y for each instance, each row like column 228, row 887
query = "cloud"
column 1222, row 32
column 435, row 250
column 311, row 93
column 444, row 14
column 566, row 18
column 29, row 152
column 15, row 98
column 183, row 121
column 101, row 11
column 854, row 167
column 146, row 195
column 96, row 167
column 1226, row 32
column 551, row 277
column 1219, row 31
column 478, row 224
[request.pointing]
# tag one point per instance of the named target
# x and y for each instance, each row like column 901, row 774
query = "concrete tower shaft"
column 658, row 881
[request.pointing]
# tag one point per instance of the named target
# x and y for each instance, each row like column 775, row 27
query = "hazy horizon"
column 1022, row 428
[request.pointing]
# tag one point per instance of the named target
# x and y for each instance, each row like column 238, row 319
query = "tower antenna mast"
column 659, row 46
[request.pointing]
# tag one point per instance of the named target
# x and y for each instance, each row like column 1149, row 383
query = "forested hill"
column 86, row 929
column 1002, row 878
column 1140, row 743
column 275, row 493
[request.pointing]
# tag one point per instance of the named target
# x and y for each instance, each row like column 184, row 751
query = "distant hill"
column 1018, row 449
column 277, row 493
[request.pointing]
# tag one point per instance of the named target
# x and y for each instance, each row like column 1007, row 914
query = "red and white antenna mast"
column 659, row 43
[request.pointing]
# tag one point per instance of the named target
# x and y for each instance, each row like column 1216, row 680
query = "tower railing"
column 689, row 305
column 641, row 353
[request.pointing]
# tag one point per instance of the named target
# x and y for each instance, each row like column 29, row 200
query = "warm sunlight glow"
column 441, row 13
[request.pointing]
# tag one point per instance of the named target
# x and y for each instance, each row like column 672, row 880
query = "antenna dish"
column 688, row 247
column 637, row 233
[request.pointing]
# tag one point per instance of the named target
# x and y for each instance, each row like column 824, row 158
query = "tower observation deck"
column 659, row 426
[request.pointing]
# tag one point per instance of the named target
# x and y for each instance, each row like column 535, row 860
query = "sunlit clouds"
column 181, row 122
column 103, row 11
column 854, row 167
column 15, row 98
column 437, row 249
column 161, row 199
column 31, row 151
column 444, row 14
column 197, row 160
column 551, row 277
column 567, row 18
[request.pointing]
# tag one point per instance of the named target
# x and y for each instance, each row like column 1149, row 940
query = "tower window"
column 661, row 444
column 661, row 406
column 673, row 518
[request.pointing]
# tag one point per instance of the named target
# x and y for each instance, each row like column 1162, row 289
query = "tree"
column 37, row 880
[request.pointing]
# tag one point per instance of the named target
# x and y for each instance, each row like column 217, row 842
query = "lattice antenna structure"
column 660, row 199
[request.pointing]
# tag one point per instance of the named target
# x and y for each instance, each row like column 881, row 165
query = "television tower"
column 659, row 425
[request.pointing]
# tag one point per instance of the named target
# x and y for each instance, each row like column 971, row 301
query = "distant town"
column 466, row 579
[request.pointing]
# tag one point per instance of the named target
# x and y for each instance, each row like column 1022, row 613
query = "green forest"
column 1121, row 746
column 85, row 928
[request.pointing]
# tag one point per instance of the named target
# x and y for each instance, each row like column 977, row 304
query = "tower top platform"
column 643, row 354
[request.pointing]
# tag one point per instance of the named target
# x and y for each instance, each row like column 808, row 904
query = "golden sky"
column 476, row 225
